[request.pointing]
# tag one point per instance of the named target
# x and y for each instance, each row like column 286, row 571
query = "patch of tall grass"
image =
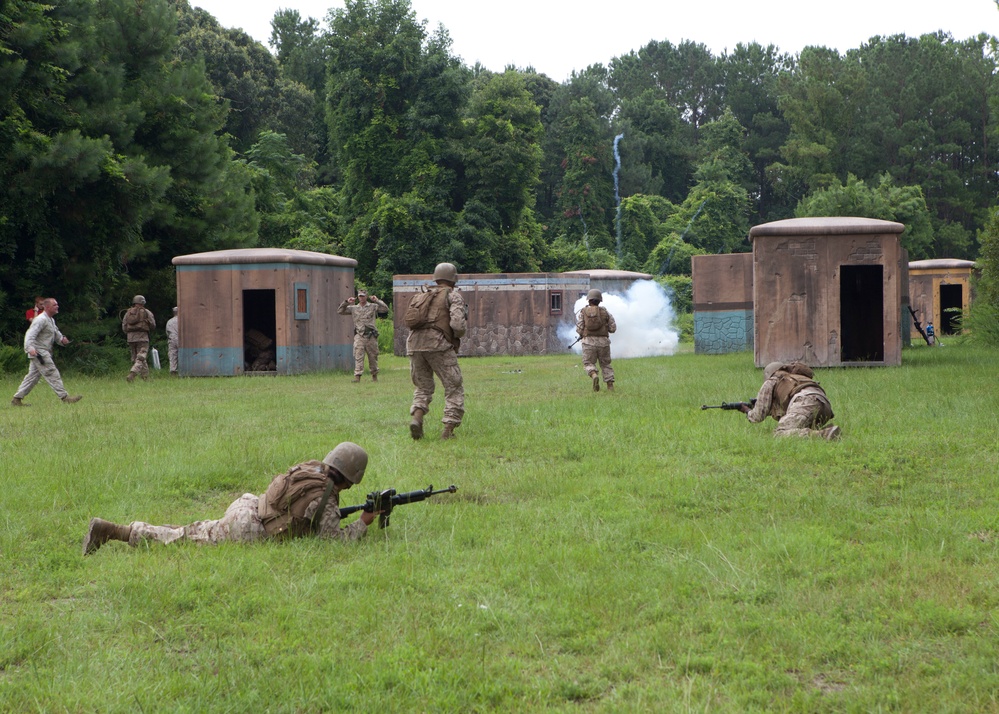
column 620, row 551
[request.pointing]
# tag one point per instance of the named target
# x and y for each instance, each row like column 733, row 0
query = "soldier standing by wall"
column 38, row 344
column 594, row 324
column 173, row 341
column 365, row 331
column 137, row 324
column 437, row 320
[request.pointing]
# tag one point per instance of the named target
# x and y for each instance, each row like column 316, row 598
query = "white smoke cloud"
column 645, row 322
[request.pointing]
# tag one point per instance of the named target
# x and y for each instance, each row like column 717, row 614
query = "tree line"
column 131, row 132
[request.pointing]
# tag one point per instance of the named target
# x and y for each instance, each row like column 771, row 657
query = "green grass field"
column 605, row 552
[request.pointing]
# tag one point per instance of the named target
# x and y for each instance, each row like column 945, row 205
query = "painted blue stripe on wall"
column 228, row 361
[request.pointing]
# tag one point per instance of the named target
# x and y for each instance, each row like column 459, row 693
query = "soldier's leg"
column 445, row 366
column 172, row 356
column 141, row 359
column 241, row 522
column 30, row 379
column 358, row 357
column 604, row 355
column 590, row 365
column 423, row 381
column 52, row 376
column 371, row 347
column 800, row 418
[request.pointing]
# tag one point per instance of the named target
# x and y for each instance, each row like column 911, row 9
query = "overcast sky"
column 559, row 36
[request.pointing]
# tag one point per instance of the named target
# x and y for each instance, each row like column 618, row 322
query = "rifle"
column 574, row 343
column 388, row 499
column 730, row 405
column 919, row 328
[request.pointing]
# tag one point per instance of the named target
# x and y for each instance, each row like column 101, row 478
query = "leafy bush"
column 386, row 334
column 12, row 359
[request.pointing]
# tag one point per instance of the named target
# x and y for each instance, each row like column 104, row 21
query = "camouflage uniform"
column 803, row 415
column 138, row 339
column 596, row 349
column 173, row 341
column 39, row 337
column 365, row 332
column 241, row 522
column 431, row 353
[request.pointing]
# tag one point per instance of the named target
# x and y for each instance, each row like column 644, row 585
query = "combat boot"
column 130, row 378
column 831, row 432
column 374, row 376
column 357, row 378
column 610, row 386
column 448, row 432
column 72, row 400
column 596, row 383
column 16, row 402
column 416, row 424
column 101, row 531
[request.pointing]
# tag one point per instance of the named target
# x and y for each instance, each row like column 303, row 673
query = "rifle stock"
column 388, row 499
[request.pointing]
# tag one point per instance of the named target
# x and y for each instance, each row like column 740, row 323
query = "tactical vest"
column 282, row 507
column 136, row 320
column 432, row 310
column 596, row 321
column 787, row 386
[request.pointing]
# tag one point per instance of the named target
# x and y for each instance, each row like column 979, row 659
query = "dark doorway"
column 259, row 330
column 951, row 299
column 861, row 313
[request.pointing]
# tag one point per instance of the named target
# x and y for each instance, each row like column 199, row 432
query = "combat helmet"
column 349, row 459
column 771, row 368
column 138, row 300
column 594, row 294
column 446, row 271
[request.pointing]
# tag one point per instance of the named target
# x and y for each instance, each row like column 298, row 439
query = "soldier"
column 305, row 500
column 173, row 342
column 437, row 321
column 38, row 344
column 365, row 332
column 794, row 400
column 593, row 325
column 137, row 324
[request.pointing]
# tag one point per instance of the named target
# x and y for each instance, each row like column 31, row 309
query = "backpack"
column 282, row 507
column 136, row 320
column 426, row 308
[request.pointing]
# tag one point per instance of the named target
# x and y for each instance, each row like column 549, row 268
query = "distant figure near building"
column 37, row 310
column 594, row 324
column 931, row 334
column 38, row 344
column 365, row 331
column 794, row 400
column 437, row 321
column 173, row 341
column 137, row 324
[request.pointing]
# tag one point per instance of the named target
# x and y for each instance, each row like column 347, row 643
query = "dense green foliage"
column 134, row 132
column 610, row 552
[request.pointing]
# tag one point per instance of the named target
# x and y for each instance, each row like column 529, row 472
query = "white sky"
column 559, row 36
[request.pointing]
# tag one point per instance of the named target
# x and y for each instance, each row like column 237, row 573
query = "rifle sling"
column 317, row 517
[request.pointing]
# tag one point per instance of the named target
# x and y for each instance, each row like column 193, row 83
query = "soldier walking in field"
column 364, row 313
column 594, row 324
column 137, row 324
column 303, row 501
column 795, row 400
column 437, row 320
column 38, row 345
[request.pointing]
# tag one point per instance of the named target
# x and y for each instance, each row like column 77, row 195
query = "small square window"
column 555, row 302
column 301, row 301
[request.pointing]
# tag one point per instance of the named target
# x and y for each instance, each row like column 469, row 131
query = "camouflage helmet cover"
column 771, row 368
column 349, row 459
column 446, row 271
column 594, row 294
column 138, row 300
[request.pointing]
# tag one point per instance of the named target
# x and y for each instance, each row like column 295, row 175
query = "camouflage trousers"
column 806, row 413
column 241, row 523
column 38, row 370
column 422, row 368
column 172, row 355
column 365, row 346
column 592, row 356
column 140, row 350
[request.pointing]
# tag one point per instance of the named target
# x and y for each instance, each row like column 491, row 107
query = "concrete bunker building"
column 264, row 310
column 829, row 291
column 938, row 289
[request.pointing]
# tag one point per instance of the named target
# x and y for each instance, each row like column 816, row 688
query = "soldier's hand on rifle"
column 744, row 408
column 368, row 517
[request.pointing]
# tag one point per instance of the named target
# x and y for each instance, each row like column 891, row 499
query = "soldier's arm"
column 459, row 322
column 611, row 325
column 764, row 398
column 344, row 308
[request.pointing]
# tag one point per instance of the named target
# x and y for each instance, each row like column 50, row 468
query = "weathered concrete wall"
column 802, row 272
column 722, row 302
